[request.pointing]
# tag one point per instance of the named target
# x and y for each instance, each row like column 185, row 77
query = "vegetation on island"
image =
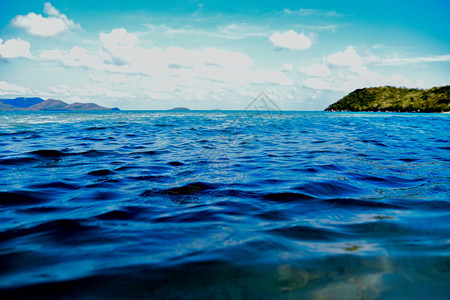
column 395, row 99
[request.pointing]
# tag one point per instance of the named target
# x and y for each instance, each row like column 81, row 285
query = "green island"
column 394, row 99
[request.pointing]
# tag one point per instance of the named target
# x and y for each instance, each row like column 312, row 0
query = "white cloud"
column 291, row 40
column 94, row 78
column 77, row 53
column 346, row 58
column 399, row 80
column 12, row 89
column 178, row 57
column 51, row 54
column 38, row 25
column 319, row 70
column 121, row 50
column 311, row 12
column 166, row 85
column 65, row 90
column 119, row 78
column 118, row 37
column 226, row 58
column 181, row 57
column 287, row 67
column 414, row 60
column 14, row 48
column 176, row 72
column 351, row 78
column 50, row 10
column 319, row 84
column 215, row 73
column 348, row 70
column 240, row 31
column 156, row 95
column 229, row 31
column 269, row 77
column 76, row 57
column 240, row 78
column 350, row 58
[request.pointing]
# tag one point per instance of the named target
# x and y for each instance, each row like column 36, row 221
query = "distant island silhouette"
column 180, row 108
column 394, row 99
column 38, row 104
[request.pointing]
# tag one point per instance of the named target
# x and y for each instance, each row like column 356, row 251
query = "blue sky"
column 304, row 55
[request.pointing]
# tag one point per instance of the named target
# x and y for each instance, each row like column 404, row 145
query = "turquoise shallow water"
column 224, row 205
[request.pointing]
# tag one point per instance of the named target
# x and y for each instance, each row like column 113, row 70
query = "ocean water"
column 224, row 205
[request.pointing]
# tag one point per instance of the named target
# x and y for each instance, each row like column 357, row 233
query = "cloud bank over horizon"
column 302, row 58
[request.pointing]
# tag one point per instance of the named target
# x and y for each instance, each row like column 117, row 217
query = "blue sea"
column 224, row 205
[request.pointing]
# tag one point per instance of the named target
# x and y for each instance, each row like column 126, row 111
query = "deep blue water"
column 224, row 205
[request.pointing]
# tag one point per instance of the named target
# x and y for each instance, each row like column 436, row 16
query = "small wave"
column 236, row 193
column 408, row 159
column 96, row 153
column 375, row 142
column 330, row 189
column 330, row 167
column 42, row 210
column 17, row 133
column 192, row 217
column 105, row 195
column 362, row 203
column 147, row 178
column 150, row 152
column 17, row 161
column 18, row 198
column 273, row 215
column 429, row 204
column 96, row 128
column 101, row 173
column 235, row 206
column 60, row 230
column 32, row 136
column 86, row 138
column 54, row 185
column 269, row 182
column 49, row 153
column 116, row 215
column 376, row 229
column 307, row 233
column 190, row 189
column 103, row 182
column 164, row 125
column 311, row 170
column 286, row 197
column 123, row 168
column 389, row 181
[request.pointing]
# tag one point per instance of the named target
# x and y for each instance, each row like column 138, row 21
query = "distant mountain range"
column 390, row 98
column 38, row 104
